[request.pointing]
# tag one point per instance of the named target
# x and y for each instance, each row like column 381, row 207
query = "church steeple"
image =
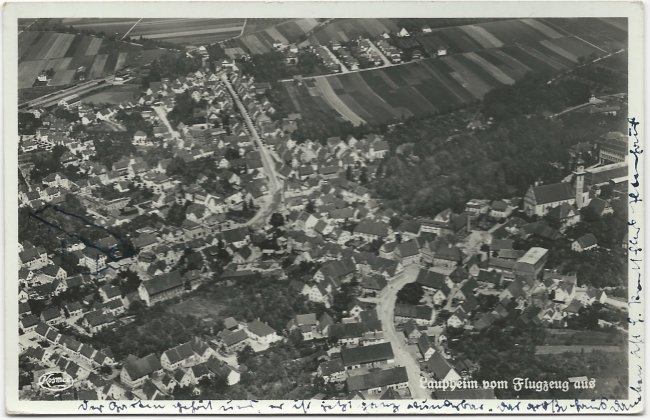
column 579, row 172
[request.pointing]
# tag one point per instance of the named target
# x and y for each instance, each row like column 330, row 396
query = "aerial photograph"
column 322, row 209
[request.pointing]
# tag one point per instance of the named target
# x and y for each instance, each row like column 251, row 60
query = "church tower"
column 579, row 172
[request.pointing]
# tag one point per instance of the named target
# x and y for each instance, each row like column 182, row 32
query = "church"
column 540, row 199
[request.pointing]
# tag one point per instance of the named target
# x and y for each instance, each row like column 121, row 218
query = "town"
column 150, row 208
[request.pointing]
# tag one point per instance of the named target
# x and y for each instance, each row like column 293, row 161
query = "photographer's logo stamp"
column 55, row 381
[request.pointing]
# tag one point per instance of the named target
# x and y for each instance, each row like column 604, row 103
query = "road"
column 130, row 29
column 271, row 202
column 385, row 59
column 79, row 90
column 385, row 311
column 162, row 115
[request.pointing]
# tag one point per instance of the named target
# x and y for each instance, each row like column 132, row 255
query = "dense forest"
column 430, row 170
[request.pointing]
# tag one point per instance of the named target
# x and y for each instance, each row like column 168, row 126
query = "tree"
column 348, row 173
column 176, row 214
column 411, row 293
column 277, row 220
column 245, row 354
column 27, row 123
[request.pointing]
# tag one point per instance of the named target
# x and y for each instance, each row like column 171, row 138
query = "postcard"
column 324, row 207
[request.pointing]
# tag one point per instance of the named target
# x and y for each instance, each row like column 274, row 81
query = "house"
column 564, row 292
column 109, row 292
column 352, row 333
column 97, row 320
column 436, row 283
column 29, row 322
column 425, row 346
column 564, row 214
column 223, row 370
column 585, row 243
column 374, row 383
column 33, row 258
column 448, row 257
column 422, row 315
column 499, row 209
column 139, row 137
column 187, row 354
column 369, row 356
column 408, row 252
column 339, row 271
column 332, row 370
column 234, row 340
column 52, row 316
column 93, row 259
column 370, row 230
column 136, row 371
column 262, row 333
column 411, row 332
column 161, row 288
column 457, row 319
column 441, row 369
column 306, row 323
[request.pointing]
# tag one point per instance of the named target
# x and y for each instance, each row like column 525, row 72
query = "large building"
column 540, row 199
column 375, row 382
column 532, row 263
column 161, row 288
column 613, row 148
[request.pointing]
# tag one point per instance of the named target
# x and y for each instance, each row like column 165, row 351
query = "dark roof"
column 178, row 353
column 51, row 313
column 331, row 366
column 438, row 366
column 408, row 248
column 489, row 276
column 259, row 328
column 367, row 354
column 587, row 240
column 163, row 283
column 410, row 226
column 413, row 311
column 234, row 235
column 372, row 227
column 353, row 329
column 338, row 269
column 377, row 379
column 433, row 280
column 551, row 193
column 234, row 337
column 424, row 343
column 137, row 368
column 598, row 205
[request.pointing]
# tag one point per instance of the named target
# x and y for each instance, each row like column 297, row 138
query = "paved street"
column 272, row 201
column 162, row 115
column 385, row 311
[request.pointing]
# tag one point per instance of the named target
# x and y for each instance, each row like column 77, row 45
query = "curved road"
column 272, row 201
column 385, row 311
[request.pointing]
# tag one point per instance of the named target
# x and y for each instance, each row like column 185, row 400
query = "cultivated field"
column 188, row 31
column 343, row 30
column 481, row 57
column 66, row 53
column 287, row 32
column 177, row 31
